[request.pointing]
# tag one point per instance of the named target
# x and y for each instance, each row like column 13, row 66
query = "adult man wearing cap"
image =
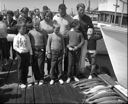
column 64, row 20
column 11, row 31
column 45, row 9
column 24, row 14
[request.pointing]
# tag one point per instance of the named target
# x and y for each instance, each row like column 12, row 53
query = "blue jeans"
column 73, row 63
column 56, row 64
column 38, row 63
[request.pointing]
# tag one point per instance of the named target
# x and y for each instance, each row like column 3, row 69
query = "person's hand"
column 93, row 55
column 48, row 55
column 75, row 48
column 8, row 27
column 70, row 48
column 19, row 51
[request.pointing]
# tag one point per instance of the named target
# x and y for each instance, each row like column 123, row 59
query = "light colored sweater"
column 21, row 44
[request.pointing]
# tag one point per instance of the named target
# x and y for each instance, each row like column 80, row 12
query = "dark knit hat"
column 62, row 6
column 10, row 12
column 45, row 8
column 24, row 10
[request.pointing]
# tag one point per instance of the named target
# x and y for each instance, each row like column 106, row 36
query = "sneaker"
column 36, row 82
column 51, row 82
column 22, row 86
column 40, row 82
column 90, row 77
column 29, row 85
column 76, row 79
column 68, row 80
column 61, row 81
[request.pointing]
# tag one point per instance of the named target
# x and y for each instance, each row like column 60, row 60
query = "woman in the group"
column 47, row 25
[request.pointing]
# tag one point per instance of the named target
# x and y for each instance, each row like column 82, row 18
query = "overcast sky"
column 52, row 4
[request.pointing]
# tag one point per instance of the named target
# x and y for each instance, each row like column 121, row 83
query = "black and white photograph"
column 63, row 52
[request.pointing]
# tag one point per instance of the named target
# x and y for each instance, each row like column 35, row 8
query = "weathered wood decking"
column 45, row 93
column 10, row 92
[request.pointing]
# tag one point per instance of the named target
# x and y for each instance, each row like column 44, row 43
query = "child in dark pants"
column 91, row 49
column 55, row 50
column 38, row 42
column 22, row 46
column 76, row 40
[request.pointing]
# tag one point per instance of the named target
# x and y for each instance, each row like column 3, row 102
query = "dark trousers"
column 66, row 57
column 92, row 60
column 38, row 63
column 11, row 51
column 23, row 63
column 4, row 48
column 48, row 65
column 73, row 63
column 56, row 64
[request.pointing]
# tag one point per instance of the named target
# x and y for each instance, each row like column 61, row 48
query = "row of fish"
column 98, row 92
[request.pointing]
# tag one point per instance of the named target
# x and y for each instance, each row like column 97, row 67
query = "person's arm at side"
column 90, row 24
column 16, row 44
column 48, row 46
column 29, row 45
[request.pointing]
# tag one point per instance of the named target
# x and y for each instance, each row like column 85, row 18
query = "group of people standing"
column 59, row 37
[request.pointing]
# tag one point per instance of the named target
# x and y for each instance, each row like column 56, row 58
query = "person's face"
column 56, row 29
column 90, row 31
column 22, row 30
column 37, row 12
column 25, row 14
column 47, row 17
column 62, row 12
column 9, row 17
column 81, row 11
column 77, row 26
column 36, row 26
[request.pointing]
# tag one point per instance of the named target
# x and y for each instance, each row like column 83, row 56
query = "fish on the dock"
column 99, row 92
column 119, row 101
column 102, row 94
column 94, row 89
column 108, row 98
column 89, row 83
column 86, row 80
column 90, row 86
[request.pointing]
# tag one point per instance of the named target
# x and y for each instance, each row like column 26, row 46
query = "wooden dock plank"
column 22, row 98
column 55, row 93
column 77, row 93
column 70, row 95
column 30, row 95
column 42, row 94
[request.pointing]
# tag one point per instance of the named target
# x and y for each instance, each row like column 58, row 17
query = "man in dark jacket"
column 11, row 30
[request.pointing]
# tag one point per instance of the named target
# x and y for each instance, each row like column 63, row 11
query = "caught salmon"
column 102, row 94
column 94, row 89
column 86, row 80
column 104, row 99
column 90, row 83
column 91, row 86
column 119, row 101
